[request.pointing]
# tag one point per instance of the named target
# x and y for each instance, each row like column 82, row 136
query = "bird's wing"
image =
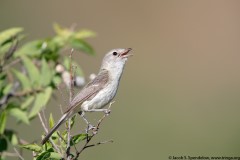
column 90, row 90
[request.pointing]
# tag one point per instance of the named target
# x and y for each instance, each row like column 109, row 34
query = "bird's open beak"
column 126, row 54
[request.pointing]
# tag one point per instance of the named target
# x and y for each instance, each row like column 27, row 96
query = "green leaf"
column 71, row 122
column 41, row 100
column 66, row 63
column 11, row 136
column 33, row 71
column 84, row 34
column 27, row 102
column 23, row 79
column 19, row 115
column 4, row 145
column 57, row 80
column 46, row 74
column 5, row 48
column 62, row 32
column 32, row 49
column 51, row 121
column 44, row 156
column 3, row 119
column 7, row 89
column 78, row 138
column 81, row 45
column 32, row 147
column 54, row 155
column 9, row 34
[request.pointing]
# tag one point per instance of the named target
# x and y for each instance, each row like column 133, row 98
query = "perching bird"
column 100, row 91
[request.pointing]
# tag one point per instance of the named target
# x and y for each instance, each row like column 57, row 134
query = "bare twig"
column 46, row 130
column 70, row 99
column 11, row 50
column 105, row 115
column 96, row 144
column 95, row 131
column 44, row 116
column 20, row 157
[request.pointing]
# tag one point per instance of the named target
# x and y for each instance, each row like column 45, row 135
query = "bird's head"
column 115, row 59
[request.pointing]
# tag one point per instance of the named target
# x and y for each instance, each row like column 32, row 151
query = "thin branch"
column 11, row 50
column 42, row 122
column 95, row 131
column 96, row 144
column 104, row 116
column 18, row 153
column 70, row 99
column 46, row 130
column 44, row 116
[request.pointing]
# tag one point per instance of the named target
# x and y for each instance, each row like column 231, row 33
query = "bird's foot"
column 90, row 127
column 107, row 112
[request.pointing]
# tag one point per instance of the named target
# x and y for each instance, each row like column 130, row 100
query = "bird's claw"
column 90, row 127
column 107, row 112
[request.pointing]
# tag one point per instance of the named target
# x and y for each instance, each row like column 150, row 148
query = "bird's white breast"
column 103, row 97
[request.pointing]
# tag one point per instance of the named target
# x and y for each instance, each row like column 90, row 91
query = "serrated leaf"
column 7, row 89
column 32, row 48
column 41, row 100
column 19, row 115
column 32, row 70
column 27, row 102
column 46, row 74
column 78, row 138
column 9, row 34
column 51, row 121
column 32, row 147
column 3, row 119
column 81, row 45
column 84, row 34
column 4, row 145
column 23, row 79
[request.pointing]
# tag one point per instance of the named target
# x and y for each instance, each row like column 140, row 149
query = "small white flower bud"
column 59, row 68
column 66, row 78
column 80, row 81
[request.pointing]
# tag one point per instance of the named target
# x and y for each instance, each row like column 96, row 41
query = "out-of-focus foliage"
column 28, row 77
column 47, row 151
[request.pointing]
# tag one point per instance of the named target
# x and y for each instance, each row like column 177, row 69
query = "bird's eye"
column 114, row 53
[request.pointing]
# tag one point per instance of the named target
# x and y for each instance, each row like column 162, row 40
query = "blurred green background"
column 179, row 94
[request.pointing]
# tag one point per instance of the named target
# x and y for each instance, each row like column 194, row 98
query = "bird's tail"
column 55, row 127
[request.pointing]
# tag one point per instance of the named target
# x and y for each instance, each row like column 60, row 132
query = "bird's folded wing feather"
column 90, row 90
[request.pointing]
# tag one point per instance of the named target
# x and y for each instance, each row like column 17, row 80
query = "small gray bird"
column 100, row 91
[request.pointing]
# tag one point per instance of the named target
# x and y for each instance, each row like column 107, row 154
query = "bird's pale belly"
column 101, row 99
